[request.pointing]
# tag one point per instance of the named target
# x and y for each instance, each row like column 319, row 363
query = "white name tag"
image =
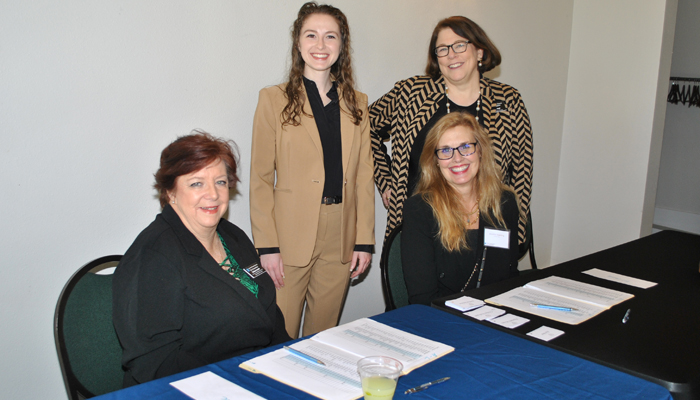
column 254, row 270
column 496, row 238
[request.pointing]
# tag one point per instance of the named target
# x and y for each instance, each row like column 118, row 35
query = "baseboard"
column 676, row 220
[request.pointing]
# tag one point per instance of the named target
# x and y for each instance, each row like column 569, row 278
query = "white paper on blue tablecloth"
column 627, row 280
column 339, row 349
column 209, row 386
column 464, row 303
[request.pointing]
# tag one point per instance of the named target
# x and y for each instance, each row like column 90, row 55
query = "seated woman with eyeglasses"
column 460, row 229
column 459, row 54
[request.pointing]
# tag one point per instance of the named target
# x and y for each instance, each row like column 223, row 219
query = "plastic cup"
column 379, row 375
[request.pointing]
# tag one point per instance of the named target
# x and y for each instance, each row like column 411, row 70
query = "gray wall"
column 613, row 123
column 91, row 92
column 678, row 196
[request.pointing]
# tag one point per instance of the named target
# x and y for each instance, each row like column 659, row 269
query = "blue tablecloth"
column 486, row 364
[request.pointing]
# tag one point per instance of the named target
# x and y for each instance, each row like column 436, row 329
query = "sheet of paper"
column 593, row 294
column 521, row 299
column 340, row 348
column 209, row 386
column 627, row 280
column 464, row 303
column 485, row 313
column 509, row 321
column 365, row 337
column 545, row 333
column 337, row 380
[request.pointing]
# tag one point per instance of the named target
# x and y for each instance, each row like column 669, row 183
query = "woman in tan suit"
column 311, row 183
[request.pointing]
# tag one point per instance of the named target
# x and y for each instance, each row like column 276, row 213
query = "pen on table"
column 426, row 385
column 627, row 316
column 303, row 355
column 550, row 307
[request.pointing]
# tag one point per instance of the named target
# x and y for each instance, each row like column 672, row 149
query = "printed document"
column 585, row 300
column 339, row 349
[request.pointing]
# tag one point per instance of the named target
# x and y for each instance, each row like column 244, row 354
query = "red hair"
column 191, row 153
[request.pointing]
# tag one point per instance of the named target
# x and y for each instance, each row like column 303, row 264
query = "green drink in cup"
column 379, row 375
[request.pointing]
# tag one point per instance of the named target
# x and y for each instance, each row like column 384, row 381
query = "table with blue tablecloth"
column 486, row 364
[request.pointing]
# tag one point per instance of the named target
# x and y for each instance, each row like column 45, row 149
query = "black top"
column 430, row 271
column 419, row 141
column 175, row 308
column 328, row 123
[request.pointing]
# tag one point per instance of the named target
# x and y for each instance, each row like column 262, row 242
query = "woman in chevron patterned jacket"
column 458, row 55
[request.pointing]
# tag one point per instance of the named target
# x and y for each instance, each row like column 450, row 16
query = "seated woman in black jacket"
column 190, row 290
column 462, row 214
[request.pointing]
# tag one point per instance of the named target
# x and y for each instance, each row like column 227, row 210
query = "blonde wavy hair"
column 444, row 199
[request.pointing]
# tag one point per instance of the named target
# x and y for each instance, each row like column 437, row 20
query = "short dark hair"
column 191, row 153
column 469, row 30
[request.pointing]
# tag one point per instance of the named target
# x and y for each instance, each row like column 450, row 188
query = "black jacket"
column 431, row 272
column 176, row 309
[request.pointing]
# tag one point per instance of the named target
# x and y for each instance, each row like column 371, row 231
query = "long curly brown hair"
column 341, row 71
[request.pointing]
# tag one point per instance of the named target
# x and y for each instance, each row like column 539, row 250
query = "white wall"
column 678, row 197
column 90, row 93
column 612, row 126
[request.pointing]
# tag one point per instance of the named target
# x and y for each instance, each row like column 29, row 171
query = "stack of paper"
column 339, row 349
column 585, row 300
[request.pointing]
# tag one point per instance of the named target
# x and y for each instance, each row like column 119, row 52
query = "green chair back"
column 88, row 349
column 393, row 285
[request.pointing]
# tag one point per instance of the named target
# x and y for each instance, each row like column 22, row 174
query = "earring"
column 480, row 64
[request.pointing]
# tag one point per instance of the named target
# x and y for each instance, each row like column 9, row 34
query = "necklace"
column 478, row 102
column 476, row 211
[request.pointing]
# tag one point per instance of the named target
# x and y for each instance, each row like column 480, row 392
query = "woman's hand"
column 386, row 196
column 272, row 263
column 359, row 263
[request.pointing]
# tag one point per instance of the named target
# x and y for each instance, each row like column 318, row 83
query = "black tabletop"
column 661, row 340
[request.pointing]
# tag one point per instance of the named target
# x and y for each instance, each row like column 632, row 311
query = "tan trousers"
column 322, row 283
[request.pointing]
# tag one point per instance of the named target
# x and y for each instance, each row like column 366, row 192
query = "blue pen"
column 303, row 355
column 549, row 307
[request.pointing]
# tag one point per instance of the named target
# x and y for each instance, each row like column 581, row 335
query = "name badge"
column 254, row 270
column 496, row 238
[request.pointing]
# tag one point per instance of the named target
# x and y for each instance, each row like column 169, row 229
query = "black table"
column 661, row 340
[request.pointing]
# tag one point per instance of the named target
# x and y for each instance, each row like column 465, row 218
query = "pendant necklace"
column 478, row 102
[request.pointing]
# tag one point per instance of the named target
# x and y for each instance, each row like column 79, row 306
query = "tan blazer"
column 287, row 177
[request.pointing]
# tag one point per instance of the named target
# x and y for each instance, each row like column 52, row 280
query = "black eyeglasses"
column 465, row 150
column 457, row 47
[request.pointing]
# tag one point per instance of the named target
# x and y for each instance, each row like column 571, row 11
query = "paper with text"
column 597, row 295
column 340, row 348
column 586, row 300
column 464, row 303
column 209, row 386
column 627, row 280
column 545, row 333
column 509, row 321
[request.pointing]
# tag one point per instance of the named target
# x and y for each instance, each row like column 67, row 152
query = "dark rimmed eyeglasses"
column 457, row 47
column 465, row 150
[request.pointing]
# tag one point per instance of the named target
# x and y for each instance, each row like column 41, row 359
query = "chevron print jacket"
column 400, row 114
